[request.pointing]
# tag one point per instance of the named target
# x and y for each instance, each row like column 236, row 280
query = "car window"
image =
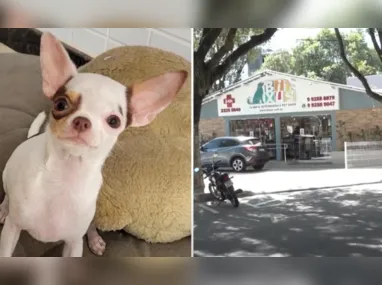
column 212, row 144
column 228, row 143
column 251, row 141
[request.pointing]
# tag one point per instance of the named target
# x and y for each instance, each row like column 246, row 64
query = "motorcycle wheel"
column 215, row 192
column 232, row 197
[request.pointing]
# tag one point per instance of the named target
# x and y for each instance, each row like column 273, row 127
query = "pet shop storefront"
column 276, row 107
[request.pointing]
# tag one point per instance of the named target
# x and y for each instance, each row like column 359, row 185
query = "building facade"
column 272, row 105
column 375, row 81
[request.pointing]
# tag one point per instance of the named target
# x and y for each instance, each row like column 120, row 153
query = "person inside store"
column 296, row 136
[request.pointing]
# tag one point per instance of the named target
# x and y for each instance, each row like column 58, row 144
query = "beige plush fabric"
column 147, row 179
column 134, row 197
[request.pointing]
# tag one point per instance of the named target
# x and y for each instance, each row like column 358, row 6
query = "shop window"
column 262, row 129
column 316, row 128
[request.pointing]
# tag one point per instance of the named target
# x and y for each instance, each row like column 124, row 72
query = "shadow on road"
column 282, row 271
column 312, row 223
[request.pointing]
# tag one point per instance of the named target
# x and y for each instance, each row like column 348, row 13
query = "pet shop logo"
column 273, row 92
column 229, row 101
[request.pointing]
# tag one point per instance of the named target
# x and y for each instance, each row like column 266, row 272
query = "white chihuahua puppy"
column 52, row 180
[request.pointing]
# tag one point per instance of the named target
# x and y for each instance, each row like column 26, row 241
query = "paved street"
column 343, row 220
column 289, row 271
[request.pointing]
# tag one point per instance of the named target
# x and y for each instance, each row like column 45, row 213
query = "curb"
column 315, row 188
column 207, row 197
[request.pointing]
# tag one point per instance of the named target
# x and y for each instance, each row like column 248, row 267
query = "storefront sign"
column 278, row 94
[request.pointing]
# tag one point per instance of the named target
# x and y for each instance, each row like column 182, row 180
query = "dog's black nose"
column 81, row 124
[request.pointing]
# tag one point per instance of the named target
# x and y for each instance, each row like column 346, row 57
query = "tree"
column 235, row 73
column 319, row 57
column 353, row 67
column 281, row 61
column 231, row 77
column 216, row 51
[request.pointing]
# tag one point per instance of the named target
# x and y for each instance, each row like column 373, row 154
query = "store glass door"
column 263, row 129
column 306, row 137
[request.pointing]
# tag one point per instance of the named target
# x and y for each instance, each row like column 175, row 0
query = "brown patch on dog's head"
column 60, row 114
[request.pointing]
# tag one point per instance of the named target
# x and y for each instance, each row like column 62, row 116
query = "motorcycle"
column 220, row 184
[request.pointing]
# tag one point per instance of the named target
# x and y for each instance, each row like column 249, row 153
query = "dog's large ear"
column 147, row 99
column 56, row 66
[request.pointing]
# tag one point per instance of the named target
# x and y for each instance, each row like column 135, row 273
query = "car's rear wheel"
column 238, row 164
column 258, row 167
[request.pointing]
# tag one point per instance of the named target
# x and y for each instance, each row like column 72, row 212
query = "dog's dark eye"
column 61, row 105
column 113, row 121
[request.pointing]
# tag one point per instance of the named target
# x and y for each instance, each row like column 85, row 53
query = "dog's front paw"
column 96, row 244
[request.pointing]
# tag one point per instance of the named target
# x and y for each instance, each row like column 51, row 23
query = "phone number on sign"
column 321, row 98
column 228, row 110
column 324, row 104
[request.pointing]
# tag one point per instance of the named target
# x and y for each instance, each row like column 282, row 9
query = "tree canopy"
column 376, row 38
column 234, row 73
column 320, row 58
column 220, row 54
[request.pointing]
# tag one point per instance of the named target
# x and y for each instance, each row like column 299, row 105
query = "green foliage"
column 197, row 35
column 242, row 35
column 282, row 62
column 235, row 72
column 319, row 58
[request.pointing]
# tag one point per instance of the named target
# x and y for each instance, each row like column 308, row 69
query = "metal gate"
column 309, row 150
column 363, row 154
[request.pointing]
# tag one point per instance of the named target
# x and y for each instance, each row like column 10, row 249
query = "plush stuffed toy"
column 147, row 178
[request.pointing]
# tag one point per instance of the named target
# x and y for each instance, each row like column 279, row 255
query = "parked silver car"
column 235, row 152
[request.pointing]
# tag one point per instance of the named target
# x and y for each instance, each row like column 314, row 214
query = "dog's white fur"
column 36, row 125
column 96, row 243
column 52, row 182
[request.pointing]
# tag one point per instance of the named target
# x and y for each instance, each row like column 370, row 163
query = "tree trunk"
column 198, row 177
column 201, row 81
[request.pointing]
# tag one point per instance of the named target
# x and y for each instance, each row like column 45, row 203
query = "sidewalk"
column 336, row 161
column 279, row 176
column 270, row 181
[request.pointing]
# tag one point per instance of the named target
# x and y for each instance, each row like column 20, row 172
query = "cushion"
column 147, row 181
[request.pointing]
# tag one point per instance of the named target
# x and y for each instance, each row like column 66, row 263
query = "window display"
column 263, row 129
column 306, row 136
column 318, row 126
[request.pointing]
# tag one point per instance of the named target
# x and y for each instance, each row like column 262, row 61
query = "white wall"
column 95, row 41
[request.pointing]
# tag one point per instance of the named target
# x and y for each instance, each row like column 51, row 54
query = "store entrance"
column 263, row 129
column 307, row 137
